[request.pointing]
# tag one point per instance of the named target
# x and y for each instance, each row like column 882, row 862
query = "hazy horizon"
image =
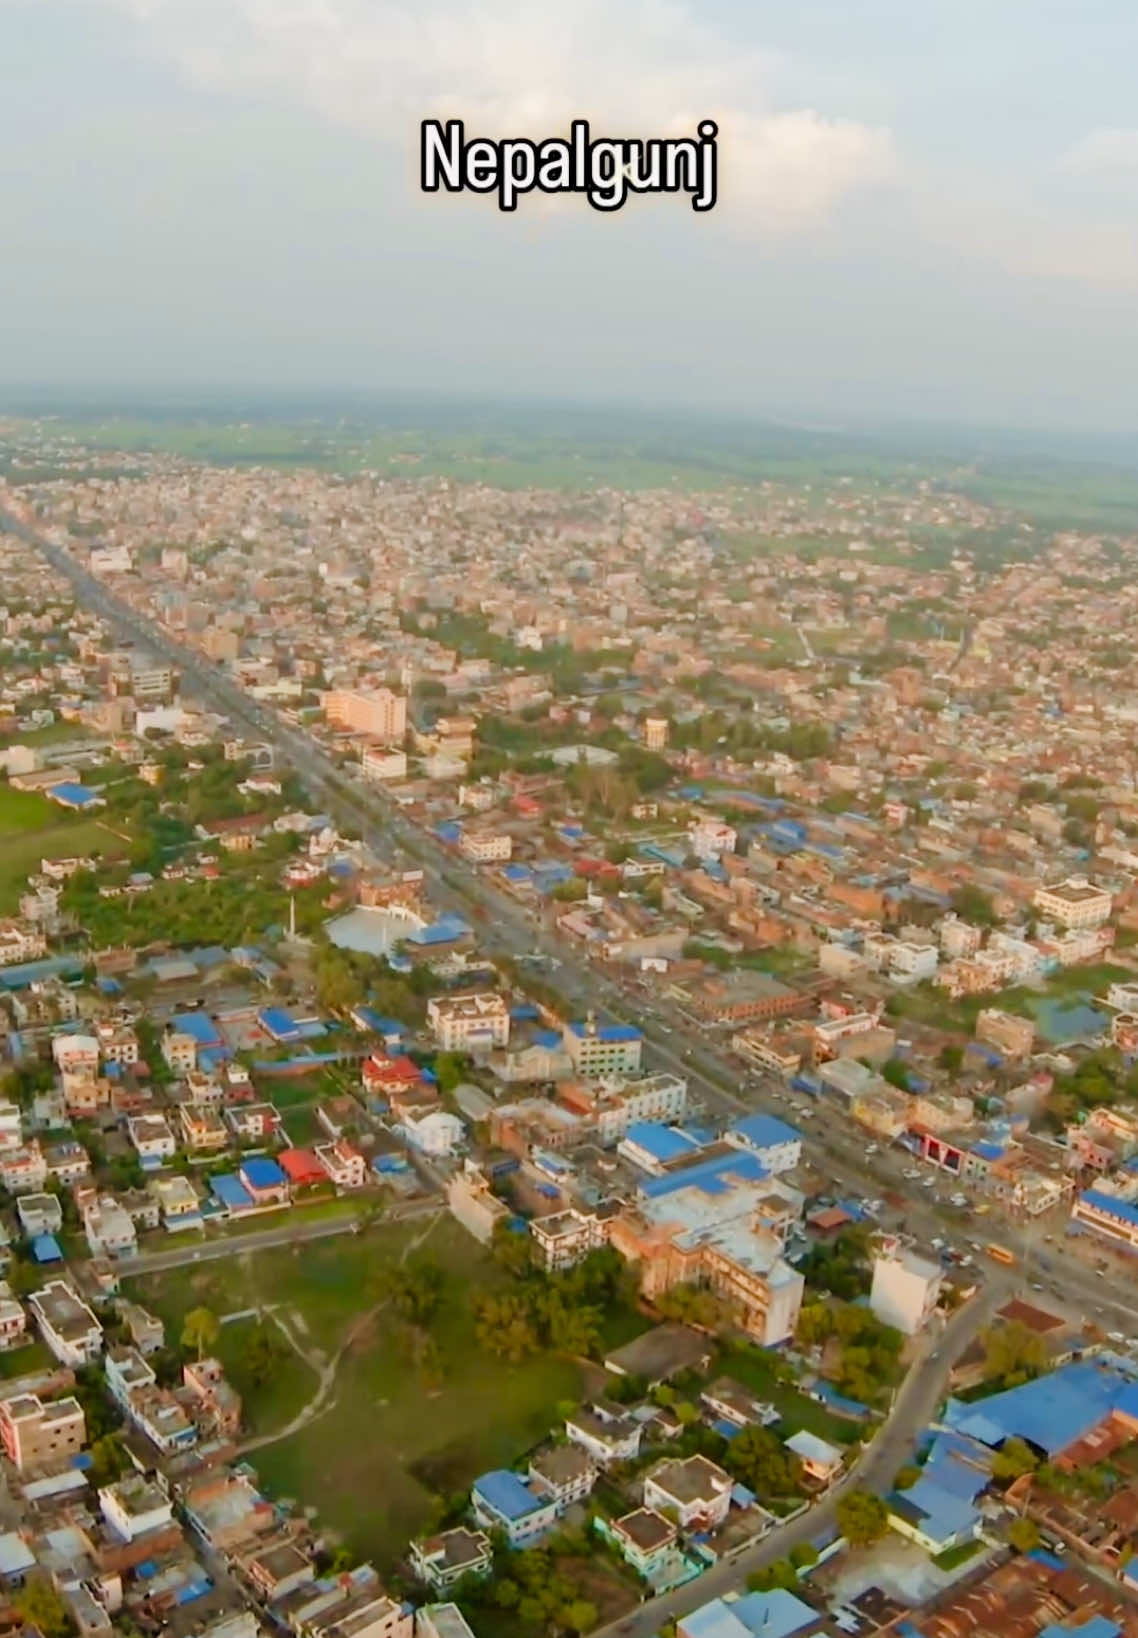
column 923, row 220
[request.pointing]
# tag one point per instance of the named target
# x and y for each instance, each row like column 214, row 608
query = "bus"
column 1000, row 1254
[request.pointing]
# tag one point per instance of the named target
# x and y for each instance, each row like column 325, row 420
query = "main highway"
column 673, row 1041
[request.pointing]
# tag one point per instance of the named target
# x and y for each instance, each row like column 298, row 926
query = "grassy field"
column 32, row 828
column 392, row 1439
column 756, row 1371
column 34, row 1356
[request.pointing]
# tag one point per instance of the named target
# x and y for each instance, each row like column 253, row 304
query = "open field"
column 32, row 828
column 392, row 1438
column 756, row 1371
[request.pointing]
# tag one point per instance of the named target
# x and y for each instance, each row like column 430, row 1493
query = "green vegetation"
column 841, row 1267
column 435, row 1418
column 953, row 1557
column 32, row 828
column 870, row 1351
column 863, row 1518
column 772, row 1381
column 1023, row 1535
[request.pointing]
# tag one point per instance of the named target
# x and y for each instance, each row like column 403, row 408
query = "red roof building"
column 301, row 1167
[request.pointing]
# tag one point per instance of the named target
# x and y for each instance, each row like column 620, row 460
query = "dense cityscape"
column 570, row 1052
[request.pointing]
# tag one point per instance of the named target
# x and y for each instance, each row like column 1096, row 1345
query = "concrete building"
column 66, row 1324
column 905, row 1290
column 777, row 1146
column 564, row 1237
column 486, row 846
column 1074, row 903
column 476, row 1022
column 597, row 1050
column 473, row 1202
column 379, row 713
column 1009, row 1034
column 694, row 1491
column 39, row 1434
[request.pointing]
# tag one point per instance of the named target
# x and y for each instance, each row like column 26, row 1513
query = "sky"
column 927, row 210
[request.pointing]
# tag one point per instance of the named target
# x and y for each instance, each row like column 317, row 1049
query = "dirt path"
column 324, row 1399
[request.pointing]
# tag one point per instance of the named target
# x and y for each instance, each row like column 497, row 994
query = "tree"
column 414, row 1289
column 1023, row 1535
column 1012, row 1353
column 40, row 1605
column 200, row 1330
column 263, row 1353
column 951, row 1057
column 762, row 1462
column 863, row 1518
column 906, row 1477
column 1013, row 1460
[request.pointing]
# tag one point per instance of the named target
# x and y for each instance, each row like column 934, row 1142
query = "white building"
column 909, row 962
column 777, row 1146
column 19, row 943
column 596, row 1050
column 152, row 1138
column 469, row 1023
column 76, row 1054
column 135, row 1506
column 905, row 1290
column 66, row 1324
column 180, row 1052
column 109, row 1228
column 564, row 1237
column 486, row 846
column 711, row 838
column 620, row 1104
column 437, row 1134
column 694, row 1491
column 380, row 764
column 1074, row 903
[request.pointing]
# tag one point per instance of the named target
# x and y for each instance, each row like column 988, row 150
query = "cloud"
column 508, row 67
column 1109, row 151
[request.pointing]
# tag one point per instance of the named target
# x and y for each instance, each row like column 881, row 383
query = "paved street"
column 914, row 1407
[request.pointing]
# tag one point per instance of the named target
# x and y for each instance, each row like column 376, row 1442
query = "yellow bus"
column 1000, row 1254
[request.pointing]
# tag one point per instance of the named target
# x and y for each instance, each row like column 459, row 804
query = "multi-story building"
column 66, row 1324
column 474, row 1203
column 475, row 1022
column 486, row 846
column 1009, row 1034
column 564, row 1237
column 152, row 1138
column 1109, row 1210
column 905, row 1290
column 13, row 1319
column 617, row 1105
column 503, row 1501
column 777, row 1146
column 378, row 713
column 1074, row 903
column 109, row 1228
column 180, row 1052
column 597, row 1050
column 380, row 764
column 709, row 838
column 694, row 1491
column 39, row 1434
column 442, row 1561
column 19, row 942
column 721, row 1224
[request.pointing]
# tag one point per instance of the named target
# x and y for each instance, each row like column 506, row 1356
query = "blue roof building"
column 652, row 1146
column 232, row 1193
column 69, row 795
column 1052, row 1412
column 776, row 1614
column 777, row 1145
column 278, row 1024
column 502, row 1501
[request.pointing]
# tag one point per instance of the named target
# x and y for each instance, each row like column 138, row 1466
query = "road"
column 913, row 1409
column 235, row 1245
column 673, row 1041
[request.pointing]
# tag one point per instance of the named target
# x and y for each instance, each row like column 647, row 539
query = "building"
column 777, row 1146
column 135, row 1507
column 486, row 846
column 564, row 1237
column 503, row 1501
column 1012, row 1036
column 36, row 1434
column 180, row 1052
column 19, row 942
column 1075, row 903
column 692, row 1490
column 152, row 1138
column 441, row 1621
column 379, row 714
column 381, row 765
column 905, row 1290
column 775, row 1614
column 605, row 1432
column 617, row 1105
column 596, row 1050
column 720, row 1223
column 472, row 1201
column 821, row 1461
column 13, row 1319
column 656, row 733
column 1110, row 1211
column 442, row 1561
column 217, row 1399
column 473, row 1022
column 564, row 1474
column 649, row 1543
column 711, row 838
column 109, row 1228
column 66, row 1324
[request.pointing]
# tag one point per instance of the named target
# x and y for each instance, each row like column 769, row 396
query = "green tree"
column 863, row 1518
column 1012, row 1353
column 200, row 1330
column 906, row 1477
column 760, row 1460
column 1023, row 1535
column 40, row 1605
column 1014, row 1458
